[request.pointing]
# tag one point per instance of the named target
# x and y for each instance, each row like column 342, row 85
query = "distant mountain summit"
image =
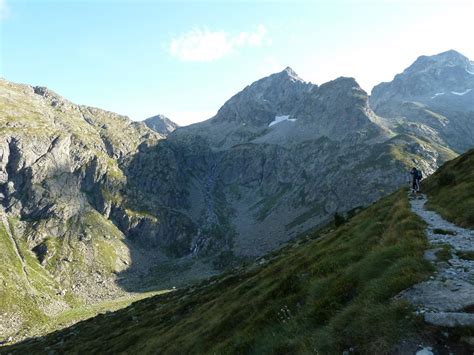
column 430, row 79
column 260, row 102
column 436, row 91
column 161, row 124
column 336, row 109
column 283, row 108
column 442, row 60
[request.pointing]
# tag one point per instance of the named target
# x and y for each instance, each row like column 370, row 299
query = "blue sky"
column 185, row 59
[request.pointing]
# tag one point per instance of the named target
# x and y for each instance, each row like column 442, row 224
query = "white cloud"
column 203, row 45
column 200, row 45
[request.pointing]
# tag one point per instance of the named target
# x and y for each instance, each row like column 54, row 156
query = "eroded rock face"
column 62, row 179
column 284, row 155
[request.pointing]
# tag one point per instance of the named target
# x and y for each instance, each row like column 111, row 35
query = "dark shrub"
column 339, row 219
column 446, row 178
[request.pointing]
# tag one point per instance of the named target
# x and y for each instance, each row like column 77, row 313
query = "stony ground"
column 447, row 298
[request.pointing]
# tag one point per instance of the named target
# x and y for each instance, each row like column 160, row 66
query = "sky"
column 184, row 59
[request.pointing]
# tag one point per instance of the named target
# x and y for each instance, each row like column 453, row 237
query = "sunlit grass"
column 451, row 190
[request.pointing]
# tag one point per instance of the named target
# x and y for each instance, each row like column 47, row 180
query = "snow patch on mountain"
column 425, row 351
column 460, row 93
column 469, row 72
column 437, row 94
column 279, row 119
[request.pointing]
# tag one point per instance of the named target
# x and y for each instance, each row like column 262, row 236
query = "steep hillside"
column 334, row 290
column 66, row 227
column 451, row 190
column 327, row 292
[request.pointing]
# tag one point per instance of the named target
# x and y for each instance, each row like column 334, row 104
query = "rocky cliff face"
column 68, row 228
column 434, row 98
column 161, row 124
column 284, row 155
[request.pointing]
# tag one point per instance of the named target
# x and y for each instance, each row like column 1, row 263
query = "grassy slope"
column 30, row 300
column 324, row 294
column 451, row 190
column 17, row 295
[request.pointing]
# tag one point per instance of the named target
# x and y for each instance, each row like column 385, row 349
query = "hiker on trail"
column 416, row 177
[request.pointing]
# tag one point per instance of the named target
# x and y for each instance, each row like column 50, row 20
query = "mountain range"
column 95, row 206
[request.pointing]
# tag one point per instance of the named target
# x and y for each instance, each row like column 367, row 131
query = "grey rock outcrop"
column 450, row 319
column 161, row 124
column 63, row 195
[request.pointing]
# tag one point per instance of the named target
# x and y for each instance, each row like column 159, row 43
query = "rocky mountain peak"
column 450, row 55
column 337, row 108
column 286, row 75
column 341, row 91
column 342, row 83
column 283, row 109
column 289, row 72
column 436, row 94
column 258, row 103
column 433, row 64
column 431, row 80
column 161, row 124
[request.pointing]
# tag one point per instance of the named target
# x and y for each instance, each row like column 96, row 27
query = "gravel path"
column 447, row 298
column 462, row 240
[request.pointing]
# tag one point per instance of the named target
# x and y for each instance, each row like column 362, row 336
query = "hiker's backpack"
column 419, row 175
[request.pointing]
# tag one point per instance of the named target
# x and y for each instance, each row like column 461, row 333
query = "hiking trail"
column 447, row 298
